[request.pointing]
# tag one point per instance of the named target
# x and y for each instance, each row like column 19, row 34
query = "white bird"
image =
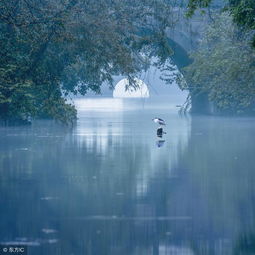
column 159, row 121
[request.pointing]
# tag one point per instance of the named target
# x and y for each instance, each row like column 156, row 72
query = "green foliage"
column 193, row 5
column 242, row 11
column 60, row 109
column 16, row 98
column 55, row 48
column 224, row 68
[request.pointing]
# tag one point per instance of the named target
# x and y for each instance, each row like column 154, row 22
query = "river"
column 110, row 186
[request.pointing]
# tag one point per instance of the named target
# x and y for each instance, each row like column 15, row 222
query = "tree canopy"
column 242, row 11
column 223, row 67
column 53, row 48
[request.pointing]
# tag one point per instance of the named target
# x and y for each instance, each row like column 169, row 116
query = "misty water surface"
column 105, row 187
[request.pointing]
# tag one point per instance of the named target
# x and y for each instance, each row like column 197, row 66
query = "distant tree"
column 223, row 67
column 243, row 11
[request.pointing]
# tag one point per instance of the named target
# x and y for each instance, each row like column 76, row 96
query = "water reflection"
column 160, row 143
column 105, row 188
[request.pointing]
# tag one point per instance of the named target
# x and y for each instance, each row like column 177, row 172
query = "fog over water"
column 157, row 87
column 110, row 185
column 162, row 96
column 105, row 186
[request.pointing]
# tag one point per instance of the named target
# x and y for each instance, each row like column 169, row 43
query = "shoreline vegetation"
column 221, row 77
column 53, row 49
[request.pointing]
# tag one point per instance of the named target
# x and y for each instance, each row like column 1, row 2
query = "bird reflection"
column 160, row 142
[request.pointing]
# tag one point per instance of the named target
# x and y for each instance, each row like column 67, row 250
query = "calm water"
column 110, row 187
